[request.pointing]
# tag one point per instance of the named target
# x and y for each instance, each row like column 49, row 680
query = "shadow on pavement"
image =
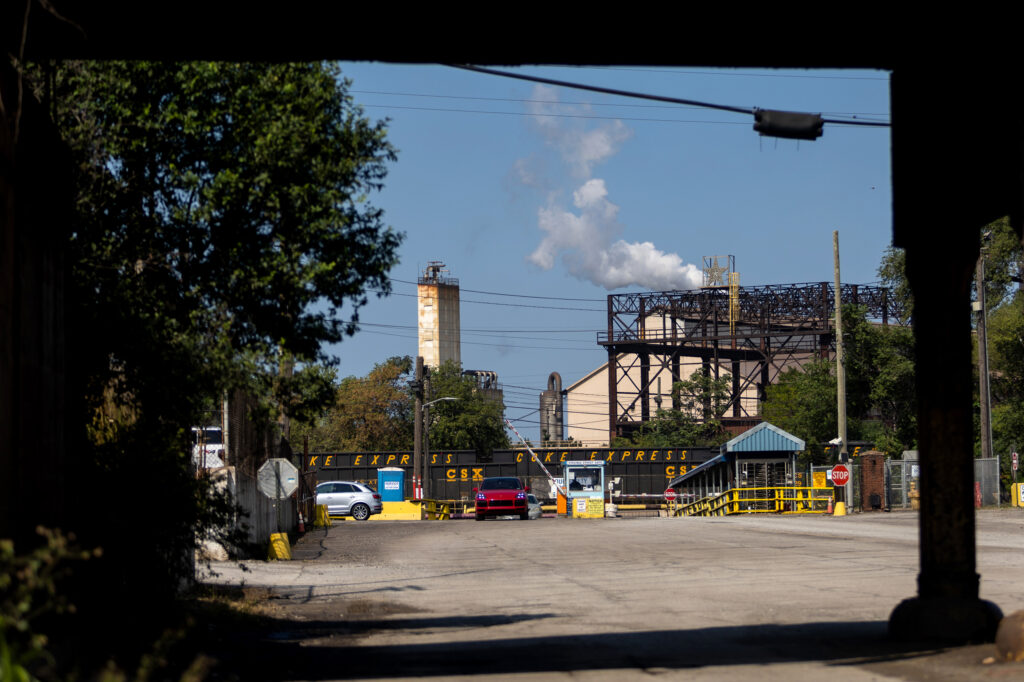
column 291, row 653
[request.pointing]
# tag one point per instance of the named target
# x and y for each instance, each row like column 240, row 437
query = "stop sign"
column 840, row 475
column 670, row 495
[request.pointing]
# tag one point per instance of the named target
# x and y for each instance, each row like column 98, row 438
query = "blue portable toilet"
column 391, row 484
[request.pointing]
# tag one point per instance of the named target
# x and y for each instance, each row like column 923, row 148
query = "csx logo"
column 464, row 474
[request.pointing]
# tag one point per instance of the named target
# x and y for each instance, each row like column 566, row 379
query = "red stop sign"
column 670, row 494
column 840, row 475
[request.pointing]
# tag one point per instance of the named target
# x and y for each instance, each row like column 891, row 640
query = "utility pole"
column 417, row 421
column 983, row 388
column 840, row 367
column 425, row 418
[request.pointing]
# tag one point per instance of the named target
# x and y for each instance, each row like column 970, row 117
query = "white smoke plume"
column 580, row 148
column 587, row 245
column 586, row 239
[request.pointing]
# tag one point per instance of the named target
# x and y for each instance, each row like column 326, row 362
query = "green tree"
column 473, row 421
column 881, row 404
column 893, row 273
column 374, row 412
column 803, row 403
column 702, row 401
column 221, row 232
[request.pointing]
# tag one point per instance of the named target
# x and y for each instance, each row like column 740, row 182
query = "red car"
column 501, row 496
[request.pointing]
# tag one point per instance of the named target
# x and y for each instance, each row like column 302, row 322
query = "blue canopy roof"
column 764, row 437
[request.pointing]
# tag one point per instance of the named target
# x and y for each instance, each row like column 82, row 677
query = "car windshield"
column 501, row 484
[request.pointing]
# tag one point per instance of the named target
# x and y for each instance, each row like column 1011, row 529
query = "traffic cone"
column 829, row 511
column 302, row 524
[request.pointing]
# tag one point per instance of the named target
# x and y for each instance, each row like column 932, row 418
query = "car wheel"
column 360, row 512
column 479, row 517
column 525, row 516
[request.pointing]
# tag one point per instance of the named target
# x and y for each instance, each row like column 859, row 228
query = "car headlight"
column 520, row 496
column 480, row 497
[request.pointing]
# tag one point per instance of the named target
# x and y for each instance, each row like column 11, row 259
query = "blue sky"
column 543, row 191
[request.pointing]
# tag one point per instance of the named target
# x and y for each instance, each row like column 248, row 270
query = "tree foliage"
column 473, row 421
column 221, row 230
column 701, row 401
column 880, row 399
column 368, row 413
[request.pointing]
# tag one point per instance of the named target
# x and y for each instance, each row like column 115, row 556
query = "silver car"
column 348, row 498
column 533, row 507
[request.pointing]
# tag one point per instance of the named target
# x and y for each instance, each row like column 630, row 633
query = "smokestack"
column 551, row 419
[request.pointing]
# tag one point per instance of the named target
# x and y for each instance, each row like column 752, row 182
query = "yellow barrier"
column 279, row 548
column 781, row 500
column 323, row 519
column 436, row 511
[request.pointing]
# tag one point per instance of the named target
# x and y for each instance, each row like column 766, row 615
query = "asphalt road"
column 795, row 598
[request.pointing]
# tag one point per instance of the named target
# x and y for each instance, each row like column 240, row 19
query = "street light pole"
column 425, row 421
column 417, row 423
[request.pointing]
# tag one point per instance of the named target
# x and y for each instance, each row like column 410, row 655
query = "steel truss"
column 651, row 335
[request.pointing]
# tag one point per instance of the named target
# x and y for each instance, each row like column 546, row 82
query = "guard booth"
column 752, row 467
column 584, row 488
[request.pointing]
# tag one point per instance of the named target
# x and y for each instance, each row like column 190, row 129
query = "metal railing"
column 776, row 500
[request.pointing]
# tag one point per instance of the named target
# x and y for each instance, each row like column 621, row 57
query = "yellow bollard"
column 840, row 509
column 280, row 548
column 323, row 519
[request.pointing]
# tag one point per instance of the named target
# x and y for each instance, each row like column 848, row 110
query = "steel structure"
column 765, row 330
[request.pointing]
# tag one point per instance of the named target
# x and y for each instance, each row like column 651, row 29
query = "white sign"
column 915, row 471
column 581, row 505
column 391, row 485
column 277, row 478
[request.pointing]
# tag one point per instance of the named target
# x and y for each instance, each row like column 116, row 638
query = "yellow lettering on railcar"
column 327, row 462
column 478, row 474
column 405, row 459
column 449, row 474
column 359, row 459
column 312, row 460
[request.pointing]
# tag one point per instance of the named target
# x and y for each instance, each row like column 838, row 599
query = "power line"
column 496, row 345
column 737, row 73
column 522, row 100
column 487, row 333
column 509, row 305
column 498, row 293
column 639, row 95
column 550, row 115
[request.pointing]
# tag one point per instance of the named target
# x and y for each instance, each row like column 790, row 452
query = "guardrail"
column 775, row 500
column 435, row 510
